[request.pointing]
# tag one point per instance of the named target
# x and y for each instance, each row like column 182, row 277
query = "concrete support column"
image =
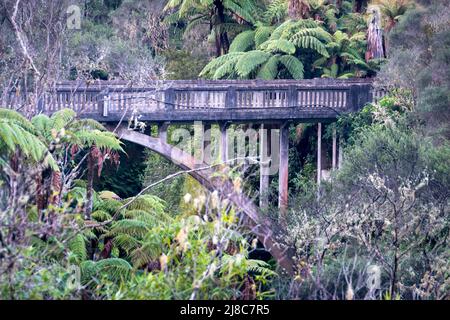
column 319, row 153
column 340, row 154
column 334, row 151
column 223, row 142
column 162, row 131
column 283, row 171
column 264, row 168
column 207, row 143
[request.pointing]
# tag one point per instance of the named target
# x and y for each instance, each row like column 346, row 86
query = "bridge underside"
column 231, row 115
column 207, row 176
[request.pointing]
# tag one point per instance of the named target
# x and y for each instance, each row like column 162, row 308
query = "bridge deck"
column 225, row 100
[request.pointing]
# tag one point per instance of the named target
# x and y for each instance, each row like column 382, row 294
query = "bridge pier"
column 223, row 148
column 284, row 168
column 206, row 147
column 264, row 169
column 319, row 153
column 162, row 131
column 334, row 157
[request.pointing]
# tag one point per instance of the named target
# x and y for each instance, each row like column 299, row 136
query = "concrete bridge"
column 269, row 106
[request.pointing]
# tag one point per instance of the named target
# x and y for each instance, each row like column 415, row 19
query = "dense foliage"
column 74, row 223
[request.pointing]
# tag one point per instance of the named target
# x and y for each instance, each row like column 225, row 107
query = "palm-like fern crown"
column 239, row 14
column 67, row 128
column 268, row 51
column 144, row 232
column 17, row 133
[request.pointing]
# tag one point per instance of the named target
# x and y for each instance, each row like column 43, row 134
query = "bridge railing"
column 105, row 98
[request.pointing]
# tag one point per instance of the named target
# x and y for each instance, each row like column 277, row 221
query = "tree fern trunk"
column 221, row 37
column 360, row 5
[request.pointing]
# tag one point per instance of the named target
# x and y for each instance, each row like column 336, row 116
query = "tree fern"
column 278, row 46
column 276, row 10
column 227, row 69
column 293, row 65
column 101, row 215
column 148, row 203
column 317, row 32
column 78, row 247
column 101, row 139
column 144, row 216
column 115, row 269
column 145, row 254
column 210, row 69
column 269, row 70
column 245, row 9
column 258, row 53
column 243, row 41
column 310, row 42
column 109, row 205
column 126, row 242
column 130, row 227
column 17, row 133
column 262, row 34
column 259, row 267
column 250, row 61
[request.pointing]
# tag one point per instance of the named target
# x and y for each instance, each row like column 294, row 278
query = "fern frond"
column 317, row 32
column 262, row 34
column 276, row 10
column 88, row 270
column 101, row 216
column 62, row 117
column 148, row 252
column 126, row 242
column 242, row 8
column 226, row 70
column 293, row 65
column 280, row 45
column 269, row 70
column 15, row 135
column 78, row 247
column 250, row 61
column 243, row 41
column 146, row 202
column 16, row 117
column 115, row 269
column 129, row 227
column 87, row 124
column 111, row 205
column 101, row 139
column 210, row 69
column 309, row 42
column 259, row 267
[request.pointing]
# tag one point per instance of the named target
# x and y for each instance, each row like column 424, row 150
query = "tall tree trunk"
column 298, row 9
column 89, row 186
column 360, row 5
column 375, row 48
column 221, row 36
